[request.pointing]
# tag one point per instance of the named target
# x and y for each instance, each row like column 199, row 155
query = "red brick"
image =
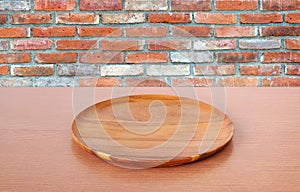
column 100, row 31
column 261, row 70
column 31, row 18
column 236, row 31
column 293, row 69
column 215, row 18
column 31, row 44
column 237, row 82
column 13, row 58
column 214, row 44
column 169, row 18
column 237, row 57
column 261, row 18
column 3, row 45
column 292, row 43
column 145, row 82
column 4, row 70
column 121, row 45
column 54, row 31
column 280, row 57
column 33, row 70
column 101, row 57
column 281, row 82
column 193, row 82
column 101, row 5
column 191, row 31
column 146, row 31
column 292, row 17
column 153, row 57
column 236, row 4
column 191, row 5
column 215, row 70
column 14, row 32
column 54, row 5
column 76, row 44
column 279, row 5
column 100, row 82
column 59, row 57
column 77, row 18
column 169, row 45
column 2, row 18
column 281, row 31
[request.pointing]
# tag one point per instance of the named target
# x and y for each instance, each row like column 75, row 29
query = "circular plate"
column 142, row 131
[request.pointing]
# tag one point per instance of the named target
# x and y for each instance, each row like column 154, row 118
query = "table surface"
column 37, row 152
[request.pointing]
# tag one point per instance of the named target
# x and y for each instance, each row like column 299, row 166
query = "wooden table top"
column 37, row 152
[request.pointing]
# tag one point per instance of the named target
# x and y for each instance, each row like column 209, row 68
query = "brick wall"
column 149, row 43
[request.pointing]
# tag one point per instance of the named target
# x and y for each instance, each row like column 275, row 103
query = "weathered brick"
column 242, row 57
column 260, row 44
column 56, row 57
column 100, row 31
column 215, row 70
column 77, row 70
column 100, row 82
column 76, row 44
column 191, row 57
column 146, row 5
column 4, row 70
column 279, row 5
column 122, row 70
column 19, row 5
column 191, row 5
column 31, row 18
column 260, row 70
column 281, row 82
column 2, row 18
column 3, row 45
column 169, row 18
column 122, row 45
column 280, row 31
column 261, row 18
column 15, row 82
column 101, row 57
column 53, row 82
column 54, row 5
column 292, row 17
column 292, row 43
column 14, row 32
column 214, row 44
column 292, row 69
column 145, row 82
column 14, row 58
column 193, row 82
column 121, row 18
column 152, row 57
column 215, row 18
column 77, row 18
column 167, row 70
column 237, row 82
column 169, row 45
column 101, row 5
column 280, row 57
column 32, row 70
column 31, row 44
column 154, row 31
column 54, row 31
column 236, row 31
column 236, row 4
column 191, row 31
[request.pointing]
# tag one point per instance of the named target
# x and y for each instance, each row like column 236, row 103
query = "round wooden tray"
column 142, row 131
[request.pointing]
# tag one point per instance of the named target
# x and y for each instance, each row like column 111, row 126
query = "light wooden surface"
column 37, row 152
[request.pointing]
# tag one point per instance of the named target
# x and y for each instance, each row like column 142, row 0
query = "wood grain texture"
column 38, row 154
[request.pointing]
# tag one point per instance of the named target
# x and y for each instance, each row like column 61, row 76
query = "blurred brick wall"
column 149, row 43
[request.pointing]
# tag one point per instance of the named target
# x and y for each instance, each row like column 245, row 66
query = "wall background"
column 149, row 43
